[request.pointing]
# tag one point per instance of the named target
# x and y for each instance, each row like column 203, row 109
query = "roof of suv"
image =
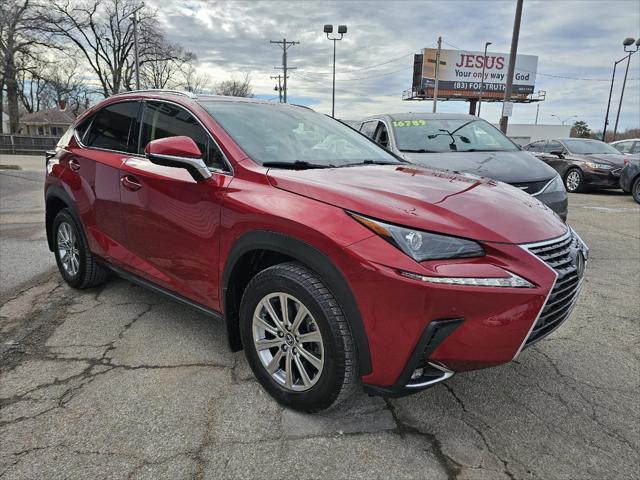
column 199, row 97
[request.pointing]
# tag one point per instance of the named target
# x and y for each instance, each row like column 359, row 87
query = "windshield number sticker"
column 409, row 123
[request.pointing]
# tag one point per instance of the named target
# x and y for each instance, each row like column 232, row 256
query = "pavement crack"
column 450, row 466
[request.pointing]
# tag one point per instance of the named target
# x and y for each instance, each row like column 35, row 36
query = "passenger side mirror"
column 558, row 153
column 178, row 152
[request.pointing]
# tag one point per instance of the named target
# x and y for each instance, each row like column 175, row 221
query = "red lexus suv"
column 331, row 261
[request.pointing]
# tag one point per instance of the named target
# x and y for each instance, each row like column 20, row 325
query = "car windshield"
column 282, row 135
column 449, row 135
column 588, row 147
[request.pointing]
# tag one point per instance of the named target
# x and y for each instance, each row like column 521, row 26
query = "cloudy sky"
column 576, row 39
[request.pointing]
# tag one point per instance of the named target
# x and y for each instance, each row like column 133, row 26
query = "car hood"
column 456, row 204
column 617, row 160
column 510, row 167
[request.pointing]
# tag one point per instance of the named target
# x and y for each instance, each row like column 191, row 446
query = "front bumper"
column 556, row 201
column 600, row 178
column 486, row 326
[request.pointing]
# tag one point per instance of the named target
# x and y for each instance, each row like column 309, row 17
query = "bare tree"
column 163, row 63
column 194, row 81
column 21, row 32
column 102, row 32
column 236, row 87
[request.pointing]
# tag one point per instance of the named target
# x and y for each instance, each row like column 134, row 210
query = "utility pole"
column 279, row 86
column 504, row 120
column 437, row 75
column 285, row 46
column 134, row 19
column 537, row 112
column 484, row 64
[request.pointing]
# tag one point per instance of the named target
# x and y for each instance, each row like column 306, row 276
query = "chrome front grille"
column 532, row 188
column 561, row 255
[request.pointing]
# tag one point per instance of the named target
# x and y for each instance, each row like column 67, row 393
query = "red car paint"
column 160, row 224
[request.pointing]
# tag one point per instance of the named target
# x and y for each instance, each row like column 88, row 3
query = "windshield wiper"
column 419, row 150
column 372, row 162
column 297, row 165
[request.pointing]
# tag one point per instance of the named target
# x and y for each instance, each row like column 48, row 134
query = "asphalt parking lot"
column 118, row 382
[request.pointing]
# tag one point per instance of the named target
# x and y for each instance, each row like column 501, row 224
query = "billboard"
column 461, row 72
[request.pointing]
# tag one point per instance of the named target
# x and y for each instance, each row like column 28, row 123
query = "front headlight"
column 555, row 185
column 422, row 245
column 602, row 166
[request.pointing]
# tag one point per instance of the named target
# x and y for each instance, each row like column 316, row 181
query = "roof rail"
column 158, row 90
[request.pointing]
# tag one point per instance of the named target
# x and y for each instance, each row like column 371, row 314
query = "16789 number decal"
column 409, row 123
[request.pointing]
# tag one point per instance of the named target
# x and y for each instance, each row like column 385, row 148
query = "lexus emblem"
column 580, row 264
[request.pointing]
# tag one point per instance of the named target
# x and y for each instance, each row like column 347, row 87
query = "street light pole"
column 484, row 63
column 342, row 29
column 626, row 43
column 563, row 121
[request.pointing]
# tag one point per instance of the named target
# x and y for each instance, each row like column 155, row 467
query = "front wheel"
column 296, row 338
column 574, row 181
column 77, row 265
column 635, row 190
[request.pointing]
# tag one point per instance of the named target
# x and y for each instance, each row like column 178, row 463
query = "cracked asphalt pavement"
column 118, row 382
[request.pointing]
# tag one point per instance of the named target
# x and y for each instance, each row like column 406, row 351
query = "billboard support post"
column 504, row 120
column 437, row 75
column 484, row 64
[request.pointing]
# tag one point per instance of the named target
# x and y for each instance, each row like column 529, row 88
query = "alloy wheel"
column 68, row 249
column 288, row 341
column 573, row 180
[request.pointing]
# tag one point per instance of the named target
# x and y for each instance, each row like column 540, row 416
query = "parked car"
column 630, row 178
column 630, row 147
column 583, row 163
column 464, row 143
column 331, row 261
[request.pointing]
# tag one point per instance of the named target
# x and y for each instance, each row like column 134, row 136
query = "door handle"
column 74, row 165
column 131, row 183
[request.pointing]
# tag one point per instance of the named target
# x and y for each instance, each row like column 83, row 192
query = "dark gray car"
column 630, row 178
column 467, row 144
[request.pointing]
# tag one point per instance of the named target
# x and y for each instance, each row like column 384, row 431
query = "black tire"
column 338, row 377
column 571, row 188
column 635, row 189
column 89, row 272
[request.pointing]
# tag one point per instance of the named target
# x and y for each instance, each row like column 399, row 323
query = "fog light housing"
column 417, row 373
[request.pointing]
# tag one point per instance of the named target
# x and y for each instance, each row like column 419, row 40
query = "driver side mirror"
column 178, row 152
column 558, row 153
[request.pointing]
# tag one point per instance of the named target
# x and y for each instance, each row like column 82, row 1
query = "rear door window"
column 161, row 120
column 553, row 146
column 113, row 127
column 624, row 147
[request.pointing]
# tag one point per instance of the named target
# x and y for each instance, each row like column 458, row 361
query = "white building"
column 523, row 133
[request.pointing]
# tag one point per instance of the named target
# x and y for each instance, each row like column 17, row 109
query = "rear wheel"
column 574, row 181
column 296, row 338
column 635, row 189
column 77, row 265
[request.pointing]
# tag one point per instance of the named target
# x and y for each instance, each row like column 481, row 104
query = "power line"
column 305, row 75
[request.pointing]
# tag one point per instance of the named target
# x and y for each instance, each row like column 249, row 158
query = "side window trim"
column 227, row 171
